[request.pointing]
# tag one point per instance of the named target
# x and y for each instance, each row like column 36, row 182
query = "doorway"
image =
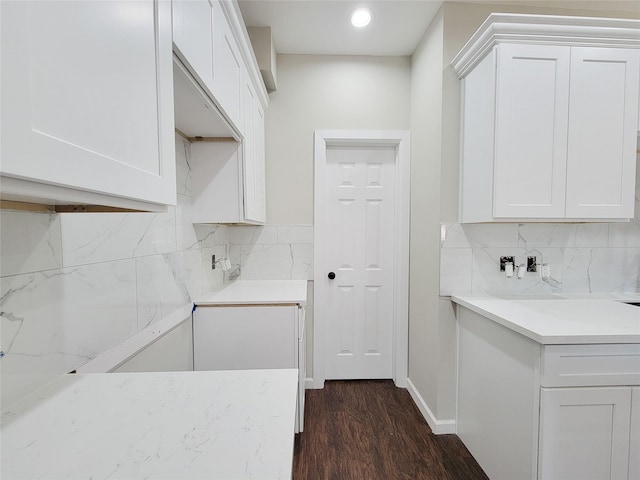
column 361, row 255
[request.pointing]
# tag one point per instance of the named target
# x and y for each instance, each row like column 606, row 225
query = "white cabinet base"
column 497, row 398
column 548, row 412
column 634, row 438
column 246, row 337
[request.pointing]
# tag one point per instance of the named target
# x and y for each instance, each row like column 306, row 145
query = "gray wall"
column 325, row 92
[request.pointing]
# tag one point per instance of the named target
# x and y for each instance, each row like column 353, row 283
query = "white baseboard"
column 438, row 427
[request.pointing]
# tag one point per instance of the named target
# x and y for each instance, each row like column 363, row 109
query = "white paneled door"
column 355, row 272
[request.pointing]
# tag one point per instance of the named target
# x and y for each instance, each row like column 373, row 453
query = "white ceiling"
column 322, row 26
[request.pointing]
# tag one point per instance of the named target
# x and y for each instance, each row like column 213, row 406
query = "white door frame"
column 399, row 139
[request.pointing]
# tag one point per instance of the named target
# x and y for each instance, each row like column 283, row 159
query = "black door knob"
column 331, row 275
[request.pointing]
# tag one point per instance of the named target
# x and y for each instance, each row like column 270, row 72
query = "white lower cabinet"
column 547, row 412
column 245, row 337
column 584, row 433
column 634, row 438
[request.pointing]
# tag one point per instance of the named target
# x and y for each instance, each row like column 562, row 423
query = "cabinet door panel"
column 584, row 433
column 193, row 31
column 87, row 96
column 227, row 69
column 531, row 131
column 602, row 132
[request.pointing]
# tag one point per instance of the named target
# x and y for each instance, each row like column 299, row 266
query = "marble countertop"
column 561, row 321
column 257, row 292
column 177, row 425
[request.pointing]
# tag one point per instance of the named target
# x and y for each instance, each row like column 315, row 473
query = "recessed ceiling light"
column 361, row 17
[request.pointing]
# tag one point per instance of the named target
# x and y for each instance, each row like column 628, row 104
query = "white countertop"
column 177, row 425
column 257, row 292
column 561, row 320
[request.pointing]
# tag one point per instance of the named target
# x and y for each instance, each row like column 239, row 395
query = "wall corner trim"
column 438, row 427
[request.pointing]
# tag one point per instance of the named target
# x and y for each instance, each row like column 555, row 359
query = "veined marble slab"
column 52, row 322
column 102, row 237
column 178, row 425
column 283, row 252
column 30, row 242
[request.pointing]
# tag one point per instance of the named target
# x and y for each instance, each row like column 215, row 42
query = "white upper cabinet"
column 193, row 35
column 205, row 42
column 254, row 172
column 220, row 96
column 228, row 67
column 87, row 103
column 549, row 119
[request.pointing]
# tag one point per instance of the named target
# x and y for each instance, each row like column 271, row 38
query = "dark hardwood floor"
column 369, row 430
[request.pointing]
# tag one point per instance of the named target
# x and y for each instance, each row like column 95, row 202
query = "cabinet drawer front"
column 584, row 365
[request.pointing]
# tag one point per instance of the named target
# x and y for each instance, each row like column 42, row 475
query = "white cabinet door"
column 245, row 337
column 634, row 444
column 603, row 122
column 193, row 34
column 532, row 98
column 87, row 100
column 254, row 168
column 228, row 68
column 584, row 433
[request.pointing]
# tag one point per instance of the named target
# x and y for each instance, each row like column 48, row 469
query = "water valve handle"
column 508, row 269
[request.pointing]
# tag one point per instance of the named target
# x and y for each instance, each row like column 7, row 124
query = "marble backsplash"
column 74, row 285
column 283, row 252
column 583, row 258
